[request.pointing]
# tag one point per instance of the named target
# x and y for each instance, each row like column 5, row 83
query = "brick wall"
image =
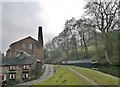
column 18, row 46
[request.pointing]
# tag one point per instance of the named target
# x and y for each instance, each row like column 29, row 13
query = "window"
column 12, row 68
column 12, row 76
column 29, row 46
column 26, row 67
column 2, row 77
column 23, row 45
column 25, row 75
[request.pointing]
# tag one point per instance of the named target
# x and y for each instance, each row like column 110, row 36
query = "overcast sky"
column 21, row 19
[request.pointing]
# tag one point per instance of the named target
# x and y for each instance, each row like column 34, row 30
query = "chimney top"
column 40, row 36
column 40, row 27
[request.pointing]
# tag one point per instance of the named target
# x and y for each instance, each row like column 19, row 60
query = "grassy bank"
column 98, row 77
column 63, row 76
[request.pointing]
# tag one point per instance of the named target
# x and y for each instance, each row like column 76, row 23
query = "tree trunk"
column 81, row 45
column 66, row 54
column 85, row 45
column 83, row 39
column 106, row 55
column 96, row 44
column 106, row 49
column 76, row 50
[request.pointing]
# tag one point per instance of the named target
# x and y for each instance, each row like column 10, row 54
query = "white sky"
column 56, row 12
column 52, row 17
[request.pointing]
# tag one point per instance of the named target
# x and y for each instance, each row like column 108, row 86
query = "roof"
column 81, row 61
column 7, row 61
column 24, row 39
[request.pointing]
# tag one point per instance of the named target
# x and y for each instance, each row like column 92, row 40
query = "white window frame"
column 3, row 77
column 12, row 67
column 26, row 75
column 26, row 66
column 12, row 76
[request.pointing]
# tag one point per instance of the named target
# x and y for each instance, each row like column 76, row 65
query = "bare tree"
column 80, row 26
column 69, row 25
column 104, row 14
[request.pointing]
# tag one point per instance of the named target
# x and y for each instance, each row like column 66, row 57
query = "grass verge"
column 98, row 77
column 63, row 76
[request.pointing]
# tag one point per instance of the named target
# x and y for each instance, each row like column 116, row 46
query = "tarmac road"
column 49, row 71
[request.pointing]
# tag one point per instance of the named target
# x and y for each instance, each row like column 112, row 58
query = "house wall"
column 16, row 47
column 19, row 73
column 18, row 70
column 33, row 69
column 5, row 69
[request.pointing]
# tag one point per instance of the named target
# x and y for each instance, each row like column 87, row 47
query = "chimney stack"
column 40, row 37
column 40, row 43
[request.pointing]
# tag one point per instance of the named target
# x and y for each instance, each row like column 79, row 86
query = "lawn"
column 63, row 76
column 98, row 77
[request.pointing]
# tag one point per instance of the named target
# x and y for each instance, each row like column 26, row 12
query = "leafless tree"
column 105, row 16
column 80, row 26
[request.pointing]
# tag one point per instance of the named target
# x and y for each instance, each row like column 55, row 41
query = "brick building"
column 28, row 45
column 18, row 69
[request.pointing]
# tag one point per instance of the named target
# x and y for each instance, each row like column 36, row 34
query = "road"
column 49, row 71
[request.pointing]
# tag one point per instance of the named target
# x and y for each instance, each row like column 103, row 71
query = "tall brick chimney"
column 40, row 36
column 40, row 42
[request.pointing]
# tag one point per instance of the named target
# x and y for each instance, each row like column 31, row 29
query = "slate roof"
column 7, row 61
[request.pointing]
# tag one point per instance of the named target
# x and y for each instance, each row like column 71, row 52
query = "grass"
column 91, row 48
column 63, row 76
column 98, row 77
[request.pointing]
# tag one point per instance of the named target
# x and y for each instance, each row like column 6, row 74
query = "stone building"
column 22, row 59
column 28, row 45
column 19, row 68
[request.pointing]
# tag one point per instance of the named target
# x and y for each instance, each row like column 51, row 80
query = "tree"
column 104, row 14
column 63, row 42
column 48, row 46
column 45, row 54
column 69, row 26
column 82, row 29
